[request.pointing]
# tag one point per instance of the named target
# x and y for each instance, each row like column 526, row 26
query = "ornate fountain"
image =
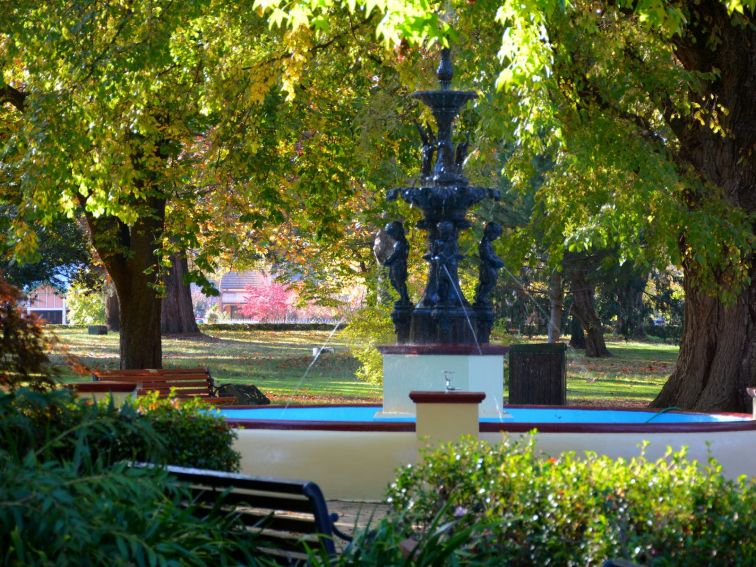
column 442, row 340
column 443, row 315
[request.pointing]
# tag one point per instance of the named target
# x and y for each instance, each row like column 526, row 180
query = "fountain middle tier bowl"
column 444, row 201
column 353, row 452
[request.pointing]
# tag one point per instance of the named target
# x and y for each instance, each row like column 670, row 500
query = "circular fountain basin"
column 353, row 451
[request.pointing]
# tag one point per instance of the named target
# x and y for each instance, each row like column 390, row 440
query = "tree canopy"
column 648, row 111
column 252, row 127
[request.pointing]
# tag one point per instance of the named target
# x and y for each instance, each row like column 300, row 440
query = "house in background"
column 46, row 302
column 233, row 290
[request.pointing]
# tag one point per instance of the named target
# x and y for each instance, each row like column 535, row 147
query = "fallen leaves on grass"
column 311, row 399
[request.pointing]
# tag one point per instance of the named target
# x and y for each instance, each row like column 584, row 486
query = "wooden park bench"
column 286, row 517
column 182, row 383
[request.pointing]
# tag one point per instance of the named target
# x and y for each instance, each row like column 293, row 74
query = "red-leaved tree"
column 23, row 345
column 268, row 302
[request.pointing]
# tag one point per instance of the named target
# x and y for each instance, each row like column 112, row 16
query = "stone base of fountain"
column 468, row 368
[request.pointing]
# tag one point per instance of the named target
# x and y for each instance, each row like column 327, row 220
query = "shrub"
column 273, row 327
column 84, row 513
column 192, row 432
column 68, row 497
column 55, row 425
column 369, row 327
column 579, row 511
column 23, row 358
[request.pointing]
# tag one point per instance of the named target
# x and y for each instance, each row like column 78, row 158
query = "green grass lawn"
column 281, row 365
column 632, row 376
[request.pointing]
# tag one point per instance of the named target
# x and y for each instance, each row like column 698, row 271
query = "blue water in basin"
column 367, row 414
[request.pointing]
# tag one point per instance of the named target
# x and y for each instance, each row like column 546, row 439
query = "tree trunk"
column 177, row 316
column 141, row 345
column 130, row 259
column 112, row 309
column 630, row 299
column 715, row 365
column 718, row 349
column 556, row 307
column 584, row 308
column 577, row 335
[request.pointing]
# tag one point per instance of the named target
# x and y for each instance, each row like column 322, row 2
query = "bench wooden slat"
column 184, row 387
column 140, row 371
column 165, row 393
column 180, row 378
column 267, row 521
column 257, row 500
column 224, row 480
column 222, row 400
column 177, row 392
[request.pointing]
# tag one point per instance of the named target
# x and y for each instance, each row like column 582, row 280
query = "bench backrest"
column 185, row 381
column 287, row 516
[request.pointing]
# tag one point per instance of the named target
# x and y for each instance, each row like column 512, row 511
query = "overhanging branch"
column 14, row 96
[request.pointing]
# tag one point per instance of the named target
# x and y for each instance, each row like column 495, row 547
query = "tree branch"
column 14, row 96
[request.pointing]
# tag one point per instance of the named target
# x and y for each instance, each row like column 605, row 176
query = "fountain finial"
column 445, row 72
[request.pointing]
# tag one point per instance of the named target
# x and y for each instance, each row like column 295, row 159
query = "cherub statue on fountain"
column 490, row 264
column 397, row 261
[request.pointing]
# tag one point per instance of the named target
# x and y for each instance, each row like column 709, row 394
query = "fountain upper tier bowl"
column 438, row 203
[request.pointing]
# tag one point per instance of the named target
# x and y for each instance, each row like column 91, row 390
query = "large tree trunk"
column 129, row 257
column 584, row 308
column 177, row 315
column 577, row 335
column 556, row 307
column 141, row 345
column 112, row 309
column 718, row 348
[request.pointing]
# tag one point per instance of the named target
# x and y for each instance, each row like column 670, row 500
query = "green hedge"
column 522, row 509
column 55, row 425
column 243, row 326
column 270, row 326
column 68, row 497
column 74, row 513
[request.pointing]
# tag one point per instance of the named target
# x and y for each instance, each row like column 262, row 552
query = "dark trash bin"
column 537, row 374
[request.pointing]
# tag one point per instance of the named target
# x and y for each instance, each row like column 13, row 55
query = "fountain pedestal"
column 442, row 417
column 469, row 368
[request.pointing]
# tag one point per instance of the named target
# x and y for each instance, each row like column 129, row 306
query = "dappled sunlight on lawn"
column 635, row 372
column 281, row 365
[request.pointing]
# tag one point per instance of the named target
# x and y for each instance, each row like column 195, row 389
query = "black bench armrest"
column 334, row 517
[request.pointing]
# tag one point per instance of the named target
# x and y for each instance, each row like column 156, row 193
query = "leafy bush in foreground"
column 194, row 436
column 67, row 496
column 55, row 425
column 77, row 513
column 577, row 510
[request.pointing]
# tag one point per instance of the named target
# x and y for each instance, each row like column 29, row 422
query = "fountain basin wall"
column 353, row 456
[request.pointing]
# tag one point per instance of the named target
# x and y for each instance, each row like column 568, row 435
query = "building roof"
column 240, row 280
